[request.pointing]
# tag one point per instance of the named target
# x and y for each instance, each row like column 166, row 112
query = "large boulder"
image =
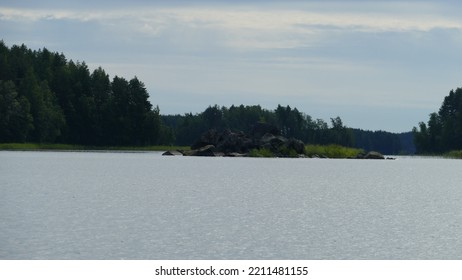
column 234, row 142
column 370, row 155
column 206, row 151
column 297, row 145
column 260, row 129
column 374, row 155
column 210, row 137
column 266, row 139
column 272, row 142
column 229, row 143
column 172, row 153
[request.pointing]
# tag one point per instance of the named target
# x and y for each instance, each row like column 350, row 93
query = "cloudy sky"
column 377, row 64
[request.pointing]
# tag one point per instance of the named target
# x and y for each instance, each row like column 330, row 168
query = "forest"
column 292, row 124
column 443, row 131
column 45, row 98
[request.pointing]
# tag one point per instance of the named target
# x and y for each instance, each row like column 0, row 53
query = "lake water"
column 90, row 205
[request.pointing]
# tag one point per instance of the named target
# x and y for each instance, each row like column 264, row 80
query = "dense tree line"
column 385, row 142
column 46, row 98
column 291, row 122
column 443, row 131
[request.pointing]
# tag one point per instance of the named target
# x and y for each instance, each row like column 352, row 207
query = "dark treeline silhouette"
column 292, row 124
column 443, row 131
column 45, row 98
column 385, row 142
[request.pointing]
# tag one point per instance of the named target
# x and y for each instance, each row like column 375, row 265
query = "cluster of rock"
column 263, row 136
column 233, row 144
column 370, row 155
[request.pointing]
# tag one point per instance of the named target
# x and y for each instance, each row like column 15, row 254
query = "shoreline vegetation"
column 266, row 141
column 457, row 154
column 70, row 147
column 315, row 151
column 311, row 151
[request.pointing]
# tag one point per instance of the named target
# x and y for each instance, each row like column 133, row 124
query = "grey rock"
column 210, row 137
column 272, row 142
column 234, row 155
column 172, row 153
column 237, row 143
column 260, row 128
column 297, row 145
column 234, row 142
column 374, row 155
column 206, row 151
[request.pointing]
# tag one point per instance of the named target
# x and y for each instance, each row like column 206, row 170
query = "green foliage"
column 340, row 134
column 453, row 154
column 291, row 122
column 443, row 131
column 15, row 117
column 261, row 153
column 331, row 151
column 384, row 142
column 46, row 99
column 282, row 152
column 287, row 152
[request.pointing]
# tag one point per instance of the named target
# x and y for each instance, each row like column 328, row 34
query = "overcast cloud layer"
column 377, row 64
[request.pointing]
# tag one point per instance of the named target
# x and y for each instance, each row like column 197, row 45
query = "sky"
column 379, row 65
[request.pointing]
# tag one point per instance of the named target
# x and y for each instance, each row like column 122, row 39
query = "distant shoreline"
column 314, row 149
column 77, row 148
column 322, row 151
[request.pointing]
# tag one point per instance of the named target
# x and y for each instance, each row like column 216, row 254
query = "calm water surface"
column 88, row 205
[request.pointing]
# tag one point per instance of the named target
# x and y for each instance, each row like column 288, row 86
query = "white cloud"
column 248, row 29
column 244, row 28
